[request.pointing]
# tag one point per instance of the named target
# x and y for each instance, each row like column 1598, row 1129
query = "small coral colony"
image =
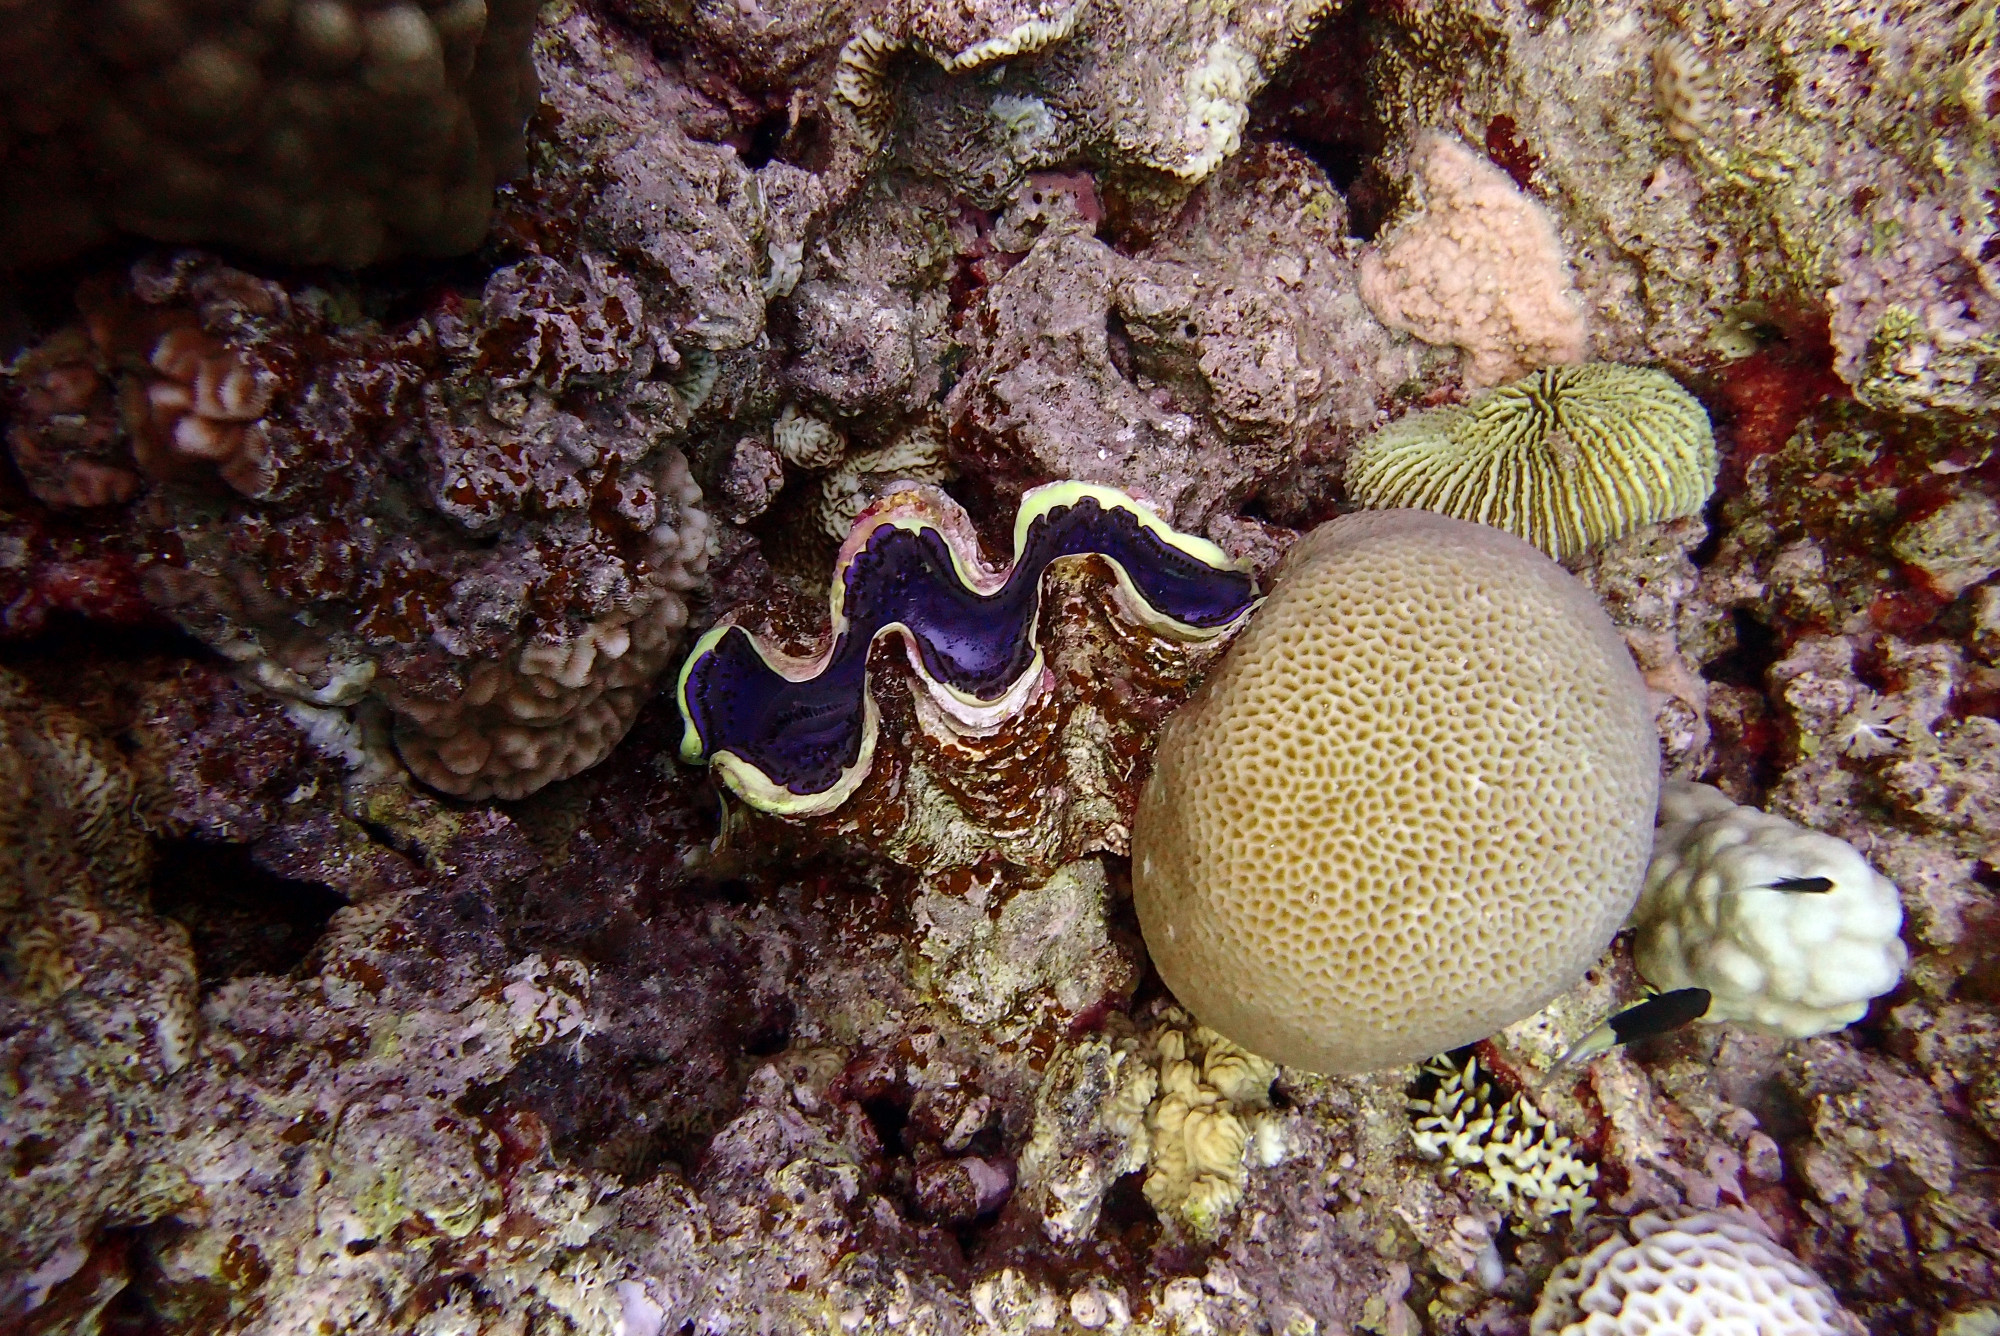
column 1200, row 798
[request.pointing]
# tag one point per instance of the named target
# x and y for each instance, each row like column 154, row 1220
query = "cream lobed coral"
column 1508, row 1145
column 1567, row 458
column 1724, row 909
column 1409, row 806
column 1208, row 1120
column 1199, row 1113
column 1478, row 265
column 1689, row 1273
column 806, row 441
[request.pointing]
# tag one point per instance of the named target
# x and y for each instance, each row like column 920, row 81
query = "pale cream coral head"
column 1716, row 913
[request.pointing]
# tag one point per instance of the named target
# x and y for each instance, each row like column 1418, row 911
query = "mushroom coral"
column 1567, row 458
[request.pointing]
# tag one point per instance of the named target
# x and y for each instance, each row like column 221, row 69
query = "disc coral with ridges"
column 1567, row 458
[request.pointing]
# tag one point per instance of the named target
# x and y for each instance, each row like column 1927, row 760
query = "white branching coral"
column 1478, row 265
column 1508, row 1145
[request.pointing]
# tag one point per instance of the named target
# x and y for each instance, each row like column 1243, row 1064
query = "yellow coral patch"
column 1567, row 458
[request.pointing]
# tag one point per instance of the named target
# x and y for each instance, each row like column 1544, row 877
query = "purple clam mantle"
column 796, row 735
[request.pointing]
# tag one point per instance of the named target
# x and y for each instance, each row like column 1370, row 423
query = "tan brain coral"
column 1410, row 807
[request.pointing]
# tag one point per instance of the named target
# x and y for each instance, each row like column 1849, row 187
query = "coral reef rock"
column 514, row 576
column 1788, row 163
column 370, row 962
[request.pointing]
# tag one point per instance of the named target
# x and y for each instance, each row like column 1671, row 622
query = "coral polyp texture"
column 1162, row 92
column 797, row 735
column 1788, row 929
column 1408, row 808
column 511, row 578
column 98, row 997
column 1567, row 458
column 1689, row 1273
column 1478, row 265
column 322, row 132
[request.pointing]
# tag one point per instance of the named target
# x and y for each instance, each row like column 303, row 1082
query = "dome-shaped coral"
column 1700, row 1273
column 1788, row 929
column 1410, row 806
column 1567, row 458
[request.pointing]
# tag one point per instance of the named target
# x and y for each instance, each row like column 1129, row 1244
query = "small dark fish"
column 1803, row 885
column 1656, row 1015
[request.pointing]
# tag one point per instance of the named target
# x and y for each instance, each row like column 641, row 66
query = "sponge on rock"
column 1411, row 805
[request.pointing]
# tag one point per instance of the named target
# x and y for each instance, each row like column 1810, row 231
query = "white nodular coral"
column 1790, row 930
column 1689, row 1273
column 1479, row 265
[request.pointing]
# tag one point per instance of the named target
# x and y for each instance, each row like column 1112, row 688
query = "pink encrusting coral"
column 1478, row 265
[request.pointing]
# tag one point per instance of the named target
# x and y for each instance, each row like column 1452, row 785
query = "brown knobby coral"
column 342, row 131
column 512, row 576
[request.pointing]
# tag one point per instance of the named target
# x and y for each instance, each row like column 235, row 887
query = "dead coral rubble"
column 1190, row 373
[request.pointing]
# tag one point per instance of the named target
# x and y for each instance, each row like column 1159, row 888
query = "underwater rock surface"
column 369, row 961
